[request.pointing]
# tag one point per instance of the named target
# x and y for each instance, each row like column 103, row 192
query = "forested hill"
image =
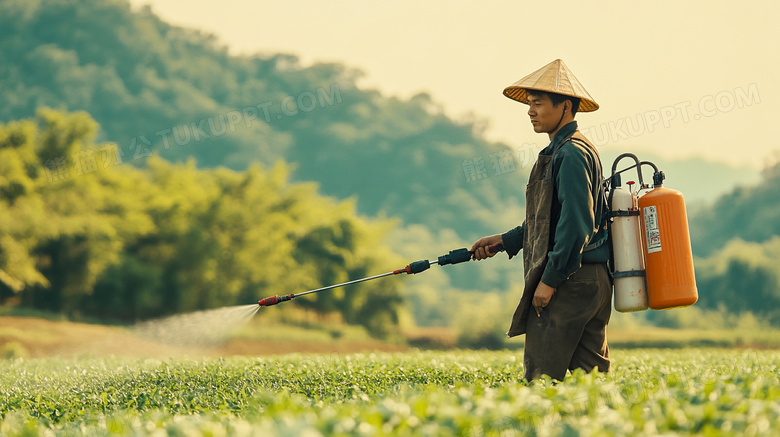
column 153, row 87
column 749, row 213
column 737, row 242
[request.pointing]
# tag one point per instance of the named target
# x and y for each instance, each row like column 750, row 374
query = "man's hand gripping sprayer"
column 453, row 257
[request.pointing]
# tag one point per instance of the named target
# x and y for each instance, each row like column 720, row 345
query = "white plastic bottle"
column 629, row 275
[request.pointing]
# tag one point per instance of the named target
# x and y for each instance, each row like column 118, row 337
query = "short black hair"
column 557, row 99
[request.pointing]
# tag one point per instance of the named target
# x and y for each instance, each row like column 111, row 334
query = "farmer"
column 567, row 299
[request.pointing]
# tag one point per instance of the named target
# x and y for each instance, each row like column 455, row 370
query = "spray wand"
column 453, row 257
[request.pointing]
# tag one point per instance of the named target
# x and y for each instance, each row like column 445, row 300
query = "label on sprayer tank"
column 653, row 236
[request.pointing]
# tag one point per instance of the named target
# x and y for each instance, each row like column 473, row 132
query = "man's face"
column 544, row 116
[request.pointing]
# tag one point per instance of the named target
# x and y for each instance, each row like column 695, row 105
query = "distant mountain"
column 157, row 88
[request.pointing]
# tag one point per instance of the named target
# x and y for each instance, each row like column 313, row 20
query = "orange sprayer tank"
column 667, row 248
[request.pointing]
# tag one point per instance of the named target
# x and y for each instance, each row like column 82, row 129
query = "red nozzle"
column 268, row 301
column 273, row 300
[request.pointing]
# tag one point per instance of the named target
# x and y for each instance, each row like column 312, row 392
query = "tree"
column 123, row 243
column 742, row 277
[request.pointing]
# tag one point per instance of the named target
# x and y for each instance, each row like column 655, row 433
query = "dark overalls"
column 571, row 331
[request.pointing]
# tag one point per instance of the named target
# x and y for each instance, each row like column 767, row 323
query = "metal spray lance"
column 453, row 257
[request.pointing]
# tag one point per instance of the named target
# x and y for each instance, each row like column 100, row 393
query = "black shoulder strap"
column 582, row 142
column 605, row 202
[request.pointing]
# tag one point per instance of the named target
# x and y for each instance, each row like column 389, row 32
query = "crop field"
column 464, row 393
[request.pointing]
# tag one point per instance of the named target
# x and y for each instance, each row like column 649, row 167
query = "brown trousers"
column 571, row 332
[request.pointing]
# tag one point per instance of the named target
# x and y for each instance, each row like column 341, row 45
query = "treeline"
column 749, row 212
column 742, row 277
column 87, row 236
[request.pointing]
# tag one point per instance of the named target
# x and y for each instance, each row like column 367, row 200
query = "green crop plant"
column 649, row 392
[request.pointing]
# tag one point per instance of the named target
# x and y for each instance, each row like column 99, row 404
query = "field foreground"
column 649, row 392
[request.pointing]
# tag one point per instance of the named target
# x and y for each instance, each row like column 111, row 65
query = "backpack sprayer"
column 453, row 257
column 652, row 260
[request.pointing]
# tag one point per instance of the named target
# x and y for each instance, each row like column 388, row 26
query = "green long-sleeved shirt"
column 577, row 209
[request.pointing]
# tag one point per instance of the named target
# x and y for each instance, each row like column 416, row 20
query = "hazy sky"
column 684, row 78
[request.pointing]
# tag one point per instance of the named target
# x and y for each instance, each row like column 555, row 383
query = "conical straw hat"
column 554, row 77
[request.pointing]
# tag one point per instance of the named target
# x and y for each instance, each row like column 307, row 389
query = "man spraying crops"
column 567, row 299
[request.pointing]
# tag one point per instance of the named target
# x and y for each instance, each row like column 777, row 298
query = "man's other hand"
column 542, row 297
